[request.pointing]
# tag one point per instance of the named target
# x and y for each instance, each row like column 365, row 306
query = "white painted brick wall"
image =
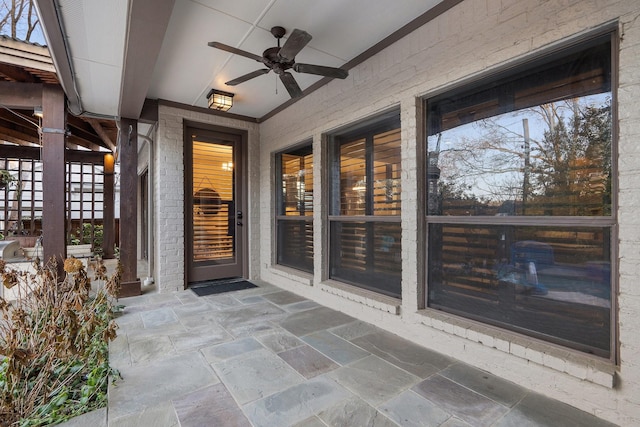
column 470, row 39
column 473, row 37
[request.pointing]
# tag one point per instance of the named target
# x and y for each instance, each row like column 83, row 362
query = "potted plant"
column 5, row 178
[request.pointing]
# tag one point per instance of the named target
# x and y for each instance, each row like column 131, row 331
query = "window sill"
column 362, row 296
column 292, row 274
column 579, row 365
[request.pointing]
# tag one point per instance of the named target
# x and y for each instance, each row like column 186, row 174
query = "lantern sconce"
column 219, row 100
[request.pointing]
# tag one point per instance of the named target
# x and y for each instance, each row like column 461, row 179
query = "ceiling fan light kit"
column 219, row 100
column 280, row 59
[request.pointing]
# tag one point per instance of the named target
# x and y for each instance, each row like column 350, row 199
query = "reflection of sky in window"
column 486, row 158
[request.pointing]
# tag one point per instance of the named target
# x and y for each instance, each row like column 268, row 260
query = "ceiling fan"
column 280, row 59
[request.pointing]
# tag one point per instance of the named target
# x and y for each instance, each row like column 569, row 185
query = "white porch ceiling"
column 122, row 51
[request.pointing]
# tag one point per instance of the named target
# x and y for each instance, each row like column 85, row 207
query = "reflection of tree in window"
column 562, row 168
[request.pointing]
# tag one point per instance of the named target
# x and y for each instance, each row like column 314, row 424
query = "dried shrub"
column 54, row 343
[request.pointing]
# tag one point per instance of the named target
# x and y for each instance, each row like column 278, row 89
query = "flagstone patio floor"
column 267, row 357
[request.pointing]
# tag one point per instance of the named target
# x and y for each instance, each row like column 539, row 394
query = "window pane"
column 295, row 199
column 386, row 173
column 367, row 254
column 295, row 244
column 353, row 178
column 549, row 282
column 297, row 183
column 535, row 142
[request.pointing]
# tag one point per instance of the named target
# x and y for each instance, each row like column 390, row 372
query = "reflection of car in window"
column 533, row 269
column 527, row 257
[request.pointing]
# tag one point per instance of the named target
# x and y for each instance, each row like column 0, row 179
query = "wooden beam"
column 21, row 95
column 17, row 74
column 81, row 129
column 10, row 130
column 102, row 134
column 14, row 152
column 53, row 175
column 83, row 143
column 129, row 207
column 18, row 117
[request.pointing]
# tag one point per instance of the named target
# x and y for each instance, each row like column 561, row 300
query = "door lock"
column 239, row 215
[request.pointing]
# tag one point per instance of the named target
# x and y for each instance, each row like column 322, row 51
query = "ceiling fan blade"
column 246, row 77
column 291, row 85
column 236, row 51
column 337, row 73
column 294, row 44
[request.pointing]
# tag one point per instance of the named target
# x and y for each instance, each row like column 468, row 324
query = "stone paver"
column 256, row 375
column 460, row 401
column 295, row 403
column 411, row 410
column 335, row 348
column 374, row 379
column 307, row 361
column 210, row 406
column 404, row 354
column 268, row 357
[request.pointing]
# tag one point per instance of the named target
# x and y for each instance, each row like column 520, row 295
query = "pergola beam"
column 97, row 127
column 17, row 74
column 21, row 95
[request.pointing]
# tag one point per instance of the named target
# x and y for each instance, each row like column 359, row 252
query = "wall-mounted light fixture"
column 109, row 162
column 219, row 100
column 37, row 111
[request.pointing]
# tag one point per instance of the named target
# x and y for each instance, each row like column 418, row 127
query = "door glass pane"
column 213, row 203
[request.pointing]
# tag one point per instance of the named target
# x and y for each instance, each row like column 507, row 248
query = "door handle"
column 239, row 222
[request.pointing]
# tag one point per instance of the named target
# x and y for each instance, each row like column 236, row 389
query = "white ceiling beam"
column 148, row 21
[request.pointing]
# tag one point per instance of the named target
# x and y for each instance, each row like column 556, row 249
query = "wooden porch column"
column 129, row 207
column 53, row 175
column 109, row 236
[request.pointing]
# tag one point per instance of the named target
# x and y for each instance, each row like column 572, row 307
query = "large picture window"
column 294, row 218
column 520, row 196
column 365, row 206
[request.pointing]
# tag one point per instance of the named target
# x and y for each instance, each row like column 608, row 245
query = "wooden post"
column 129, row 207
column 53, row 175
column 109, row 236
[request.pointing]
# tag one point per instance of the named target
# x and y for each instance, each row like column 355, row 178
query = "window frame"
column 366, row 129
column 278, row 206
column 546, row 55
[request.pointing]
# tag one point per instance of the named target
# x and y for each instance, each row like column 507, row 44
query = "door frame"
column 242, row 192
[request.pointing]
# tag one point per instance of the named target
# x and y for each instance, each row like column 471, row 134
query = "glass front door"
column 214, row 208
